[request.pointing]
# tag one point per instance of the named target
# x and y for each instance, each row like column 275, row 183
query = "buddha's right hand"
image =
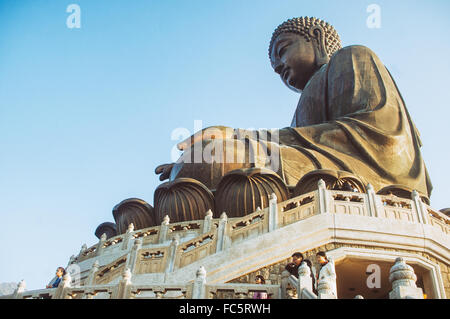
column 209, row 133
column 164, row 170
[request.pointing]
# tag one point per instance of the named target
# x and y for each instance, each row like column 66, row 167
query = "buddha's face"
column 294, row 59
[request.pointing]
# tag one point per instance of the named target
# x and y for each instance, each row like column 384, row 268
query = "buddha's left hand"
column 164, row 170
column 209, row 133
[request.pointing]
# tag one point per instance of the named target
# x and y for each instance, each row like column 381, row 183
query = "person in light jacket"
column 327, row 271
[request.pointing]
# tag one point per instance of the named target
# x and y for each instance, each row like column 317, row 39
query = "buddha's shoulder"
column 353, row 51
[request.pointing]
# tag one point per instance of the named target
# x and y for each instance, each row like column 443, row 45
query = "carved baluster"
column 304, row 280
column 403, row 281
column 273, row 212
column 419, row 206
column 373, row 202
column 101, row 244
column 221, row 233
column 170, row 266
column 198, row 288
column 207, row 223
column 89, row 294
column 123, row 290
column 131, row 260
column 284, row 283
column 21, row 287
column 241, row 293
column 164, row 229
column 82, row 250
column 128, row 235
column 91, row 277
column 324, row 198
column 72, row 259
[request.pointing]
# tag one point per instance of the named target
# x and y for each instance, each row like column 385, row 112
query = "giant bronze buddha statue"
column 351, row 127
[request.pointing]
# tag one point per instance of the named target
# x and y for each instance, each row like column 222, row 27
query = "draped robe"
column 352, row 117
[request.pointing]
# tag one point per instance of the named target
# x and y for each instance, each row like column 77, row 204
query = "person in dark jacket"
column 292, row 267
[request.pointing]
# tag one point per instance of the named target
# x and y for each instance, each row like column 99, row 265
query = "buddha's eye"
column 282, row 49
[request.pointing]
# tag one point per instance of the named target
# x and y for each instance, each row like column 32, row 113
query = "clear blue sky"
column 86, row 114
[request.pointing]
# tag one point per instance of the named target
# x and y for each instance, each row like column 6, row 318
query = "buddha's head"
column 299, row 47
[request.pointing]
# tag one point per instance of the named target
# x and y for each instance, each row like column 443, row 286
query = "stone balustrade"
column 171, row 246
column 402, row 278
column 126, row 289
column 223, row 232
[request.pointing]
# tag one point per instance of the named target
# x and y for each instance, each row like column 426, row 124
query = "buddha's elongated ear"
column 317, row 34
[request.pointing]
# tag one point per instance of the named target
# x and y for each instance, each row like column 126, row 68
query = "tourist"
column 259, row 294
column 327, row 271
column 297, row 259
column 60, row 272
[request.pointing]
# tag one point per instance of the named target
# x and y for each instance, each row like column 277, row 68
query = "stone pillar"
column 198, row 287
column 284, row 283
column 159, row 292
column 324, row 198
column 90, row 281
column 131, row 259
column 273, row 212
column 304, row 280
column 241, row 293
column 164, row 230
column 221, row 233
column 373, row 202
column 21, row 287
column 100, row 245
column 170, row 266
column 64, row 285
column 419, row 206
column 127, row 236
column 124, row 287
column 207, row 223
column 71, row 260
column 403, row 281
column 82, row 250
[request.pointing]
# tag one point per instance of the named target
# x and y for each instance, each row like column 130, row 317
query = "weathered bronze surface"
column 182, row 199
column 350, row 128
column 107, row 228
column 334, row 180
column 350, row 118
column 135, row 211
column 242, row 191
